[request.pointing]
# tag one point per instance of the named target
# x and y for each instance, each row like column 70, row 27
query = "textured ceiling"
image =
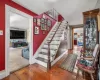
column 71, row 10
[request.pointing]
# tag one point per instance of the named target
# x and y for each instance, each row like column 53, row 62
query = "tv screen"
column 15, row 34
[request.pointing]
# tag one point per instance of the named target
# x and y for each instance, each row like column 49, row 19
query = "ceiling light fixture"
column 52, row 0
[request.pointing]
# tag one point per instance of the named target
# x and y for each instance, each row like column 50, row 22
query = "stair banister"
column 49, row 61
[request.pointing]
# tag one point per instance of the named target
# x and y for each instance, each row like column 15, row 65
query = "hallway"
column 34, row 72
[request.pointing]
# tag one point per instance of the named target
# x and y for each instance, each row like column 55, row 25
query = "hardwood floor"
column 34, row 72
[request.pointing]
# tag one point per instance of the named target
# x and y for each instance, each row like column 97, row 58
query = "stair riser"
column 45, row 56
column 46, row 51
column 54, row 43
column 45, row 46
column 57, row 35
column 42, row 63
column 61, row 28
column 52, row 33
column 50, row 36
column 56, row 38
column 59, row 32
column 51, row 46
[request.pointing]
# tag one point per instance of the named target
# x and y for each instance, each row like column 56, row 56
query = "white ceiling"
column 71, row 10
column 18, row 21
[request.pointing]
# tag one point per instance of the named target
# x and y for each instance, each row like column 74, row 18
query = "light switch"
column 1, row 32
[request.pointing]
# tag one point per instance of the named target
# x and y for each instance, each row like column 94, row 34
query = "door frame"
column 74, row 27
column 9, row 9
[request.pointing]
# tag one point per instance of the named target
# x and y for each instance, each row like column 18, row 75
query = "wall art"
column 38, row 22
column 34, row 20
column 36, row 30
column 45, row 21
column 49, row 23
column 43, row 27
column 42, row 20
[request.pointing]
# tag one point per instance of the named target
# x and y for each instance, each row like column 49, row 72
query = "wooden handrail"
column 49, row 61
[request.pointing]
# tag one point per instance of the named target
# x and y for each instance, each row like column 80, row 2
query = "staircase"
column 50, row 47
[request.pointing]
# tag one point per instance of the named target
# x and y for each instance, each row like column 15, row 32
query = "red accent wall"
column 38, row 39
column 2, row 27
column 60, row 18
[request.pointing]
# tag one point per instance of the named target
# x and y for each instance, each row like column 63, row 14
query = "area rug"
column 69, row 62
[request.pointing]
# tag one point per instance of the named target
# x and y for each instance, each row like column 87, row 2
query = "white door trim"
column 9, row 9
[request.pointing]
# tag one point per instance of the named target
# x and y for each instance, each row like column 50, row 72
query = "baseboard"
column 36, row 53
column 57, row 59
column 2, row 74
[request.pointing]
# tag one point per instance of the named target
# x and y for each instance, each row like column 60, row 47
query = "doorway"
column 18, row 39
column 77, row 38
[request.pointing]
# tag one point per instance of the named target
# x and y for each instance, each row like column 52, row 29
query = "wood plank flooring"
column 34, row 72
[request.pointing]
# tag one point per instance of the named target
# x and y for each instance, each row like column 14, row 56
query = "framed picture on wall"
column 43, row 27
column 34, row 20
column 45, row 21
column 42, row 20
column 36, row 30
column 38, row 22
column 49, row 23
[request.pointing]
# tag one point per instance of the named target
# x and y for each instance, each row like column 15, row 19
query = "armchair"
column 83, row 54
column 88, row 63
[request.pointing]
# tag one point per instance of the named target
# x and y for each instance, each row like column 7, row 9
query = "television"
column 15, row 34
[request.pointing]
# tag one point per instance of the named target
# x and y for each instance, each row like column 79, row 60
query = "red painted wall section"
column 60, row 18
column 2, row 27
column 38, row 39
